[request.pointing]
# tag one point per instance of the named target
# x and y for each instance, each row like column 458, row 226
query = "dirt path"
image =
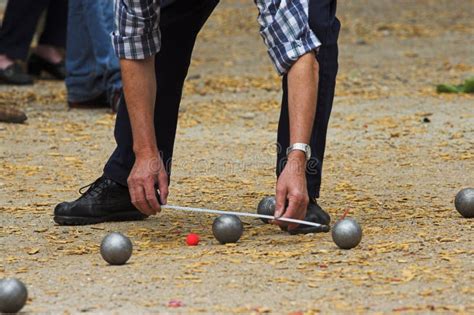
column 397, row 154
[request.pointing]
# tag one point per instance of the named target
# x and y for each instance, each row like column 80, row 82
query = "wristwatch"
column 301, row 147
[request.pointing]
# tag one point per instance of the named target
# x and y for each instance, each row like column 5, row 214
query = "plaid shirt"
column 137, row 28
column 284, row 28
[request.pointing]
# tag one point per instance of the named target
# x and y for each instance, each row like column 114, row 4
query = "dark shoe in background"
column 37, row 65
column 12, row 115
column 14, row 74
column 98, row 102
column 104, row 201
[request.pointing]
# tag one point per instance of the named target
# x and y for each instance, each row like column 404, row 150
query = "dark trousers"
column 180, row 23
column 323, row 22
column 20, row 22
column 179, row 29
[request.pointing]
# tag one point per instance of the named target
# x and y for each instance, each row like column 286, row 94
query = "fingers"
column 143, row 192
column 138, row 198
column 291, row 188
column 150, row 194
column 292, row 212
column 148, row 174
column 297, row 208
column 163, row 187
column 280, row 203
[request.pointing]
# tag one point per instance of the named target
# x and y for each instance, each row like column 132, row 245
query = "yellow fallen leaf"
column 33, row 251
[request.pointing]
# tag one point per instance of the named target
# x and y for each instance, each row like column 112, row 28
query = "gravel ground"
column 397, row 154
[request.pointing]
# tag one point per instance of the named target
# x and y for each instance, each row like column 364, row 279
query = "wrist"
column 146, row 151
column 296, row 162
column 299, row 146
column 297, row 155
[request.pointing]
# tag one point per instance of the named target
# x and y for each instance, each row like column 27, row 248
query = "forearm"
column 139, row 84
column 303, row 78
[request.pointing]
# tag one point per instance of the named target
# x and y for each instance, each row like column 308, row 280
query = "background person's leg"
column 180, row 24
column 19, row 26
column 81, row 81
column 99, row 21
column 54, row 32
column 112, row 76
column 48, row 55
column 324, row 24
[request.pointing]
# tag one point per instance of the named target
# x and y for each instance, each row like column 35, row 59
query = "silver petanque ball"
column 266, row 206
column 227, row 228
column 347, row 233
column 116, row 248
column 13, row 295
column 464, row 202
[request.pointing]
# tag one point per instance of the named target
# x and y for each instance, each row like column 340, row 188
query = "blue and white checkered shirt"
column 137, row 28
column 283, row 25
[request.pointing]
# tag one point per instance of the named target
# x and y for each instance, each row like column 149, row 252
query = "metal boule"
column 227, row 229
column 464, row 202
column 347, row 233
column 116, row 248
column 266, row 206
column 13, row 295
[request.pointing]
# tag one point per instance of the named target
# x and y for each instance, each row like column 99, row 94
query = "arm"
column 139, row 84
column 136, row 40
column 303, row 78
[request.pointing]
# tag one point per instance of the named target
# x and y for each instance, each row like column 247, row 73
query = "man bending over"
column 154, row 46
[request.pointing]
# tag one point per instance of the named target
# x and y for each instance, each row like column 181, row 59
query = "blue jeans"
column 91, row 65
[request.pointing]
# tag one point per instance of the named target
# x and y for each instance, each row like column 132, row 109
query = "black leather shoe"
column 14, row 74
column 104, row 201
column 37, row 64
column 97, row 102
column 314, row 214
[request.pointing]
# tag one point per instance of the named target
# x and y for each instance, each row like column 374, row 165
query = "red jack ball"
column 192, row 239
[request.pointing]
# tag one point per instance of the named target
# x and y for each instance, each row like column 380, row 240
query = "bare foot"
column 5, row 62
column 50, row 53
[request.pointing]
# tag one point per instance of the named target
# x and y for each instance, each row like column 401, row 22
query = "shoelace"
column 92, row 187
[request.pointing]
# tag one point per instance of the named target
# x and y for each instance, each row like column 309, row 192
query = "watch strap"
column 300, row 147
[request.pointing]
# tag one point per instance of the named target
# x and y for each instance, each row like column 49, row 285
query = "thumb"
column 280, row 203
column 163, row 187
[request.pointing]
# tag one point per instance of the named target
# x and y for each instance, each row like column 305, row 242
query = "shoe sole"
column 6, row 82
column 309, row 229
column 120, row 217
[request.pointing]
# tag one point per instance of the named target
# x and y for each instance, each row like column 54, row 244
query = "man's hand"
column 291, row 192
column 148, row 173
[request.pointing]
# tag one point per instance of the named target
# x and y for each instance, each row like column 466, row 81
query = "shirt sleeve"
column 284, row 27
column 137, row 28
